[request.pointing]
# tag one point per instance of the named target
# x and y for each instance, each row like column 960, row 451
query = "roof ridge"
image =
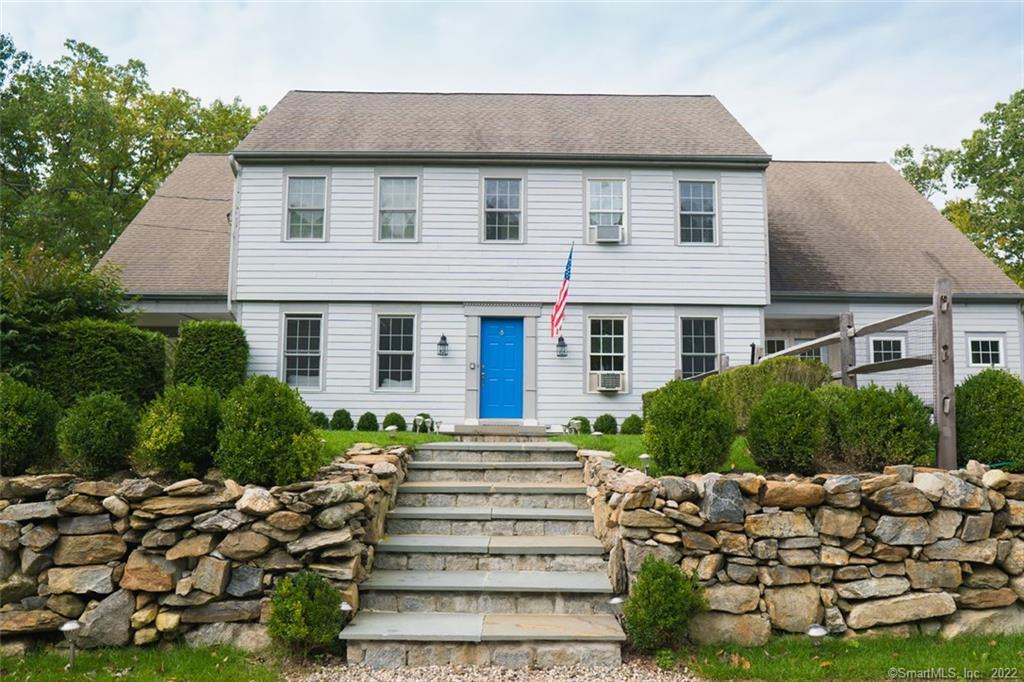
column 508, row 94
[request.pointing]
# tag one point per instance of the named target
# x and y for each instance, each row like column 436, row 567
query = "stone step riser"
column 486, row 602
column 503, row 654
column 488, row 562
column 542, row 501
column 498, row 475
column 492, row 527
column 428, row 455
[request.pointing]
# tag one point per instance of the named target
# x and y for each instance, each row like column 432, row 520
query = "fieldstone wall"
column 909, row 550
column 136, row 562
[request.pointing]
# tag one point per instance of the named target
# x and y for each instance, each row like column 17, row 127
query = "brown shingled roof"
column 501, row 124
column 840, row 227
column 178, row 243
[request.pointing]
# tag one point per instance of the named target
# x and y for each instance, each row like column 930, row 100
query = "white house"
column 350, row 233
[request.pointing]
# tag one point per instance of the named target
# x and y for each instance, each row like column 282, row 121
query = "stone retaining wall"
column 136, row 562
column 909, row 550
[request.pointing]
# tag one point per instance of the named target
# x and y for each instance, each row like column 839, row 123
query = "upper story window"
column 698, row 345
column 396, row 354
column 307, row 205
column 503, row 209
column 302, row 337
column 885, row 348
column 398, row 207
column 985, row 351
column 696, row 212
column 606, row 209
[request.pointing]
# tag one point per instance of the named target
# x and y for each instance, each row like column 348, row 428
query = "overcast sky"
column 808, row 80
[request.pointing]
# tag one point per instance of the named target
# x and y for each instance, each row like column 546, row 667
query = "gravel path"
column 632, row 670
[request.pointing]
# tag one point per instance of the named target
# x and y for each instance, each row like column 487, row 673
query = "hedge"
column 396, row 420
column 687, row 429
column 606, row 424
column 341, row 420
column 990, row 419
column 632, row 426
column 305, row 612
column 661, row 603
column 877, row 427
column 368, row 422
column 211, row 352
column 96, row 435
column 28, row 427
column 741, row 388
column 787, row 430
column 177, row 434
column 83, row 357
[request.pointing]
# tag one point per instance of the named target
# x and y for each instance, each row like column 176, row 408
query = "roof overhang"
column 885, row 297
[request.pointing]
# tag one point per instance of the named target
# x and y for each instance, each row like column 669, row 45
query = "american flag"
column 558, row 314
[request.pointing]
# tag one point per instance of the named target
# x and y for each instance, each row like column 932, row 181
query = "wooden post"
column 945, row 377
column 847, row 350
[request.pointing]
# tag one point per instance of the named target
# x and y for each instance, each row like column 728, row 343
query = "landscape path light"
column 69, row 629
column 817, row 633
column 645, row 461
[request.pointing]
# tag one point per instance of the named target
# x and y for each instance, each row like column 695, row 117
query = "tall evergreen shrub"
column 211, row 352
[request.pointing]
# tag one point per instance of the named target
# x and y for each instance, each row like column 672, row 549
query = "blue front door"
column 501, row 368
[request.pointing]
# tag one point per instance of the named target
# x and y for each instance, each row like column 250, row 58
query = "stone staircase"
column 490, row 558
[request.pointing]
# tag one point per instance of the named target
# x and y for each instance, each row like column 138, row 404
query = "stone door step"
column 475, row 627
column 439, row 464
column 488, row 581
column 484, row 544
column 485, row 488
column 491, row 513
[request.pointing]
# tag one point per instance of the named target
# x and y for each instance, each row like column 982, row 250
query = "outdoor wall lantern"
column 561, row 348
column 442, row 346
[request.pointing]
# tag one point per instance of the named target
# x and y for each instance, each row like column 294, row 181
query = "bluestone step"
column 476, row 627
column 488, row 488
column 484, row 544
column 488, row 581
column 488, row 513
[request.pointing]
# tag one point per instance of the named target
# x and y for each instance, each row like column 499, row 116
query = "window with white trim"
column 398, row 202
column 696, row 212
column 607, row 344
column 885, row 348
column 606, row 205
column 820, row 353
column 307, row 205
column 302, row 336
column 774, row 346
column 503, row 209
column 985, row 351
column 396, row 354
column 698, row 345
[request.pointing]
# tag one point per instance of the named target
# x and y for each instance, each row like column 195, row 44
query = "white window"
column 302, row 342
column 696, row 212
column 885, row 348
column 503, row 209
column 606, row 209
column 398, row 203
column 820, row 353
column 985, row 351
column 774, row 346
column 607, row 353
column 698, row 345
column 307, row 206
column 396, row 354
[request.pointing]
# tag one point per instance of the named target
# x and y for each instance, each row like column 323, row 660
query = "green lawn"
column 143, row 665
column 627, row 450
column 796, row 658
column 340, row 441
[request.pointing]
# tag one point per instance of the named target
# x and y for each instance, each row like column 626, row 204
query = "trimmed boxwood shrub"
column 177, row 433
column 584, row 424
column 341, row 420
column 422, row 427
column 606, row 424
column 28, row 427
column 84, row 356
column 741, row 388
column 266, row 435
column 687, row 429
column 660, row 605
column 368, row 422
column 95, row 436
column 835, row 401
column 881, row 427
column 305, row 613
column 787, row 429
column 632, row 425
column 211, row 352
column 394, row 419
column 319, row 420
column 990, row 419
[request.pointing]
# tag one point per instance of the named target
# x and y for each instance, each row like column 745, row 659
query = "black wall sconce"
column 442, row 346
column 561, row 348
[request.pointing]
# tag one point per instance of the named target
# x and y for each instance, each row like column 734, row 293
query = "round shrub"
column 606, row 424
column 96, row 435
column 341, row 420
column 990, row 418
column 177, row 433
column 266, row 435
column 211, row 352
column 880, row 427
column 367, row 422
column 584, row 424
column 28, row 427
column 687, row 429
column 305, row 612
column 787, row 429
column 741, row 388
column 835, row 401
column 394, row 419
column 632, row 426
column 422, row 427
column 319, row 420
column 660, row 605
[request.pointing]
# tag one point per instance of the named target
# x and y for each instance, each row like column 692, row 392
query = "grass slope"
column 340, row 441
column 627, row 450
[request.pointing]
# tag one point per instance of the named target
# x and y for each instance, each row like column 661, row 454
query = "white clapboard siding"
column 450, row 264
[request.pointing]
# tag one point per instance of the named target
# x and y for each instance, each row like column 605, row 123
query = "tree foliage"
column 87, row 142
